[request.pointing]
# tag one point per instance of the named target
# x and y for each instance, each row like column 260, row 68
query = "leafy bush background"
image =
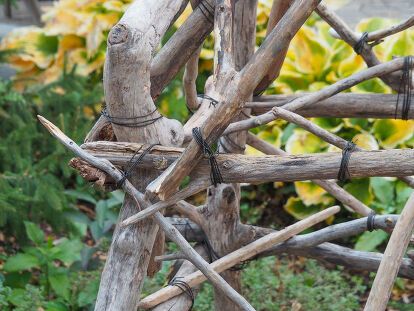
column 59, row 76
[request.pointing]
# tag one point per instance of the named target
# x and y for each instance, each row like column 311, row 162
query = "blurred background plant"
column 46, row 208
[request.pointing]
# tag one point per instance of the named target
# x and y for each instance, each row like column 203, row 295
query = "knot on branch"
column 118, row 34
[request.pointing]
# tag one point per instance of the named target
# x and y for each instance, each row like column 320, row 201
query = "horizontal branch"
column 259, row 169
column 349, row 201
column 311, row 99
column 342, row 105
column 327, row 136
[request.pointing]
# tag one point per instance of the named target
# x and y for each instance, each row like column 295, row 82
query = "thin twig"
column 383, row 33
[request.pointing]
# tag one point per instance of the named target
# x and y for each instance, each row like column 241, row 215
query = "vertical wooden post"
column 222, row 212
column 391, row 262
column 131, row 44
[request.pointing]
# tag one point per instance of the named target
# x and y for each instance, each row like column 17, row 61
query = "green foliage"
column 34, row 171
column 50, row 264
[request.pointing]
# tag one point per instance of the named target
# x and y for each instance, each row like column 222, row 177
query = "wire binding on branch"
column 215, row 174
column 371, row 222
column 133, row 163
column 359, row 45
column 405, row 89
column 184, row 287
column 213, row 102
column 133, row 122
column 343, row 173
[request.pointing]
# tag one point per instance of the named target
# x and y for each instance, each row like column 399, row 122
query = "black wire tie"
column 405, row 89
column 371, row 222
column 343, row 173
column 215, row 174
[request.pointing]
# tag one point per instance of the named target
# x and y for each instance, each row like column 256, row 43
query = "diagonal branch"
column 235, row 93
column 315, row 245
column 171, row 232
column 383, row 33
column 279, row 8
column 351, row 38
column 322, row 133
column 308, row 100
column 391, row 262
column 240, row 255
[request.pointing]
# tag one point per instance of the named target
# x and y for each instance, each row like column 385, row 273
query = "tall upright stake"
column 391, row 262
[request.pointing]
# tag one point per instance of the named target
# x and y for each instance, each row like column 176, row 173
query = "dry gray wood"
column 309, row 100
column 393, row 80
column 183, row 302
column 220, row 216
column 131, row 44
column 391, row 262
column 383, row 33
column 237, row 168
column 314, row 245
column 120, row 153
column 240, row 255
column 330, row 186
column 189, row 81
column 221, row 224
column 342, row 105
column 322, row 133
column 232, row 96
column 171, row 232
column 168, row 61
column 232, row 165
column 180, row 47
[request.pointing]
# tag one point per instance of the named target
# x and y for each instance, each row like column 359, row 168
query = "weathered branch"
column 240, row 255
column 309, row 100
column 315, row 245
column 330, row 186
column 171, row 232
column 351, row 38
column 169, row 60
column 131, row 45
column 189, row 81
column 342, row 105
column 383, row 33
column 258, row 169
column 391, row 262
column 223, row 35
column 233, row 94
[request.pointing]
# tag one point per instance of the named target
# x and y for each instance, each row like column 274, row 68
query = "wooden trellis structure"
column 134, row 147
